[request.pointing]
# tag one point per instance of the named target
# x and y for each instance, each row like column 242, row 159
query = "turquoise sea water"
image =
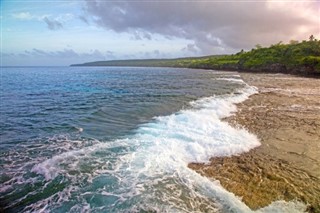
column 116, row 139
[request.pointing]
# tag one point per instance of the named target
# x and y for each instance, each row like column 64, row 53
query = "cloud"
column 27, row 16
column 84, row 19
column 6, row 54
column 190, row 48
column 66, row 53
column 60, row 57
column 23, row 16
column 138, row 35
column 64, row 17
column 213, row 26
column 52, row 24
column 39, row 57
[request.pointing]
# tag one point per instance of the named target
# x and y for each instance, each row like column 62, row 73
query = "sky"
column 64, row 32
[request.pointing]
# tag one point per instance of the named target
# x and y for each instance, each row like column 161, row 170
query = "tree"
column 258, row 46
column 241, row 52
column 279, row 43
column 294, row 42
column 311, row 38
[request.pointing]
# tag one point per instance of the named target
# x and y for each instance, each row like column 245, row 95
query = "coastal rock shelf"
column 285, row 115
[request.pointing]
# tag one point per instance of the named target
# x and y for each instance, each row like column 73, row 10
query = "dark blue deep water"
column 116, row 139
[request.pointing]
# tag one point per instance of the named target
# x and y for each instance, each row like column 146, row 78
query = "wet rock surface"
column 285, row 116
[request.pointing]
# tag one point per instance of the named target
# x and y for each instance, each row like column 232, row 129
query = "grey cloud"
column 37, row 52
column 212, row 26
column 138, row 35
column 84, row 19
column 110, row 55
column 61, row 54
column 147, row 36
column 36, row 57
column 6, row 54
column 52, row 24
column 190, row 48
column 96, row 54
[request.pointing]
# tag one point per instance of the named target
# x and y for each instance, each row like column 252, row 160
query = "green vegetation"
column 296, row 57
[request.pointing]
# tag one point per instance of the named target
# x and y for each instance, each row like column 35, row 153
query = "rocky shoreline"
column 285, row 115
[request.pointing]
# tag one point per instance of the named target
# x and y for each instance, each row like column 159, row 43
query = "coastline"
column 285, row 115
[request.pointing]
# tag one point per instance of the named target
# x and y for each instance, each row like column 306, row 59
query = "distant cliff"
column 302, row 58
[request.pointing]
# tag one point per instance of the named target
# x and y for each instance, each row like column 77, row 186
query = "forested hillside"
column 296, row 57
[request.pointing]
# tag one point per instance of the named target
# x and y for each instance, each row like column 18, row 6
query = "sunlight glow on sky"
column 68, row 32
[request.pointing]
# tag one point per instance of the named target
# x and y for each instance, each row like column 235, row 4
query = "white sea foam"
column 189, row 135
column 282, row 206
column 152, row 165
column 197, row 135
column 236, row 80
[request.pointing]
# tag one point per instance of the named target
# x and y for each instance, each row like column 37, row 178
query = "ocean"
column 117, row 139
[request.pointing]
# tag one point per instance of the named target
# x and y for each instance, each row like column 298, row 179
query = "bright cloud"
column 23, row 16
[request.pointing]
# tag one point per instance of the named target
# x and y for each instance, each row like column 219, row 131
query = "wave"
column 148, row 170
column 197, row 134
